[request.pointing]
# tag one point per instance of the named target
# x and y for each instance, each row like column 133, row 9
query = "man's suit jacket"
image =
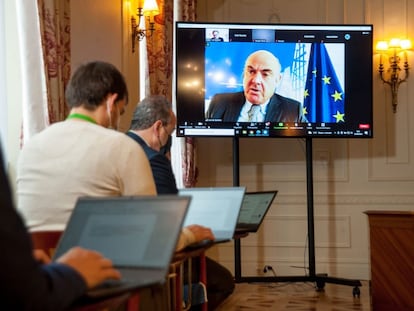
column 227, row 107
column 160, row 166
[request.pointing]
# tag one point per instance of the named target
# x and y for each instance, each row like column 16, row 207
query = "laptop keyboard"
column 113, row 283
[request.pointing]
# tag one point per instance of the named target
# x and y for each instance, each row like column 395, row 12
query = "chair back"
column 46, row 241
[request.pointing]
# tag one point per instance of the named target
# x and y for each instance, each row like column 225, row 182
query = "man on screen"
column 258, row 101
column 215, row 36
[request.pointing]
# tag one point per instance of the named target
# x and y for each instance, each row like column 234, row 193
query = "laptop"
column 139, row 234
column 217, row 208
column 253, row 210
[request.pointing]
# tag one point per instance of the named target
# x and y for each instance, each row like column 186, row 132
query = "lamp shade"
column 405, row 44
column 395, row 43
column 382, row 46
column 151, row 8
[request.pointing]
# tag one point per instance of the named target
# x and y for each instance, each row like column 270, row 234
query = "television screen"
column 273, row 80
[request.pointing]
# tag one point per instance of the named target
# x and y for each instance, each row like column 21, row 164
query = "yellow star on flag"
column 306, row 93
column 326, row 80
column 337, row 96
column 304, row 111
column 339, row 117
column 314, row 72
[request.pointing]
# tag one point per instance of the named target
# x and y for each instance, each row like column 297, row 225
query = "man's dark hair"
column 149, row 110
column 92, row 82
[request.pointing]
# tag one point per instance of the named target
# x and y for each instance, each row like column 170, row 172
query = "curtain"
column 34, row 99
column 187, row 12
column 45, row 63
column 55, row 35
column 160, row 67
column 159, row 51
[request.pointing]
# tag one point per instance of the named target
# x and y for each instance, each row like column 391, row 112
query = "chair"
column 177, row 267
column 47, row 241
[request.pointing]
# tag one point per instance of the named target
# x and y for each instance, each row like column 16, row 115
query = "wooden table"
column 392, row 259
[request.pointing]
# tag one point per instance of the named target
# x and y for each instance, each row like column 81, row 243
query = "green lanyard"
column 81, row 116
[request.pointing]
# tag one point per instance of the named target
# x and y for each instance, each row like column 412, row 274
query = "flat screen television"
column 305, row 80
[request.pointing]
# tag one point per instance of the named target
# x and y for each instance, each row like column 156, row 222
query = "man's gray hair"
column 149, row 110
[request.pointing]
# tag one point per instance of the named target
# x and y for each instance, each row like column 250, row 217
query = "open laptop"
column 253, row 210
column 217, row 208
column 139, row 235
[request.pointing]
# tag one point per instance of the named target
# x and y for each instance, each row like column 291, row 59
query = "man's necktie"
column 252, row 113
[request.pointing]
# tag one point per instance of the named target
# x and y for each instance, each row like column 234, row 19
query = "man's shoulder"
column 233, row 96
column 285, row 109
column 44, row 136
column 229, row 94
column 283, row 99
column 123, row 140
column 136, row 138
column 150, row 153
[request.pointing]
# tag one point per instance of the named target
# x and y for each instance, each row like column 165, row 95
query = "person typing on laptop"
column 28, row 284
column 152, row 125
column 84, row 155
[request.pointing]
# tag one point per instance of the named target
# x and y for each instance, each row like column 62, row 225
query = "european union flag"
column 324, row 97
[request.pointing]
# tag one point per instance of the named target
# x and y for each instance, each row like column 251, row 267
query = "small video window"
column 217, row 35
column 263, row 35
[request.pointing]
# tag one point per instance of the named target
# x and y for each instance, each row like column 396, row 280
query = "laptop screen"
column 217, row 208
column 254, row 207
column 131, row 231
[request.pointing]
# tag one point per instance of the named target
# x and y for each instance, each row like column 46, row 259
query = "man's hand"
column 201, row 233
column 91, row 265
column 41, row 256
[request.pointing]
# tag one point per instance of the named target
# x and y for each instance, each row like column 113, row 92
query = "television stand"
column 319, row 279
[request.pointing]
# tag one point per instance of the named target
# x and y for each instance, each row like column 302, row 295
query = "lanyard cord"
column 81, row 116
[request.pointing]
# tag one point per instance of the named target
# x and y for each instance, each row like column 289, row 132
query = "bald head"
column 261, row 76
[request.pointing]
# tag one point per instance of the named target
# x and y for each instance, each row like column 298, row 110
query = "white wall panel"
column 391, row 152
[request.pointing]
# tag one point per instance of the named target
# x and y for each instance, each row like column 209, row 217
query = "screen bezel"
column 191, row 119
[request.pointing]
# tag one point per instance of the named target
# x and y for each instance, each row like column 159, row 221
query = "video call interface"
column 326, row 69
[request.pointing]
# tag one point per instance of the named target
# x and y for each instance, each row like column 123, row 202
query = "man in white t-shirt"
column 84, row 155
column 81, row 156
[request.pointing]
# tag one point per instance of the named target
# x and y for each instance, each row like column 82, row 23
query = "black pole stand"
column 319, row 279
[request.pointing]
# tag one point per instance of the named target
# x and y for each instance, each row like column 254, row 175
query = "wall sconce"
column 393, row 50
column 148, row 10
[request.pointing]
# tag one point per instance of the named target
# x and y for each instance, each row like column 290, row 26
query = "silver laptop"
column 253, row 210
column 139, row 235
column 217, row 208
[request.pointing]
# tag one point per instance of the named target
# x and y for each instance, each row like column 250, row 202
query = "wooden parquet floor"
column 296, row 297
